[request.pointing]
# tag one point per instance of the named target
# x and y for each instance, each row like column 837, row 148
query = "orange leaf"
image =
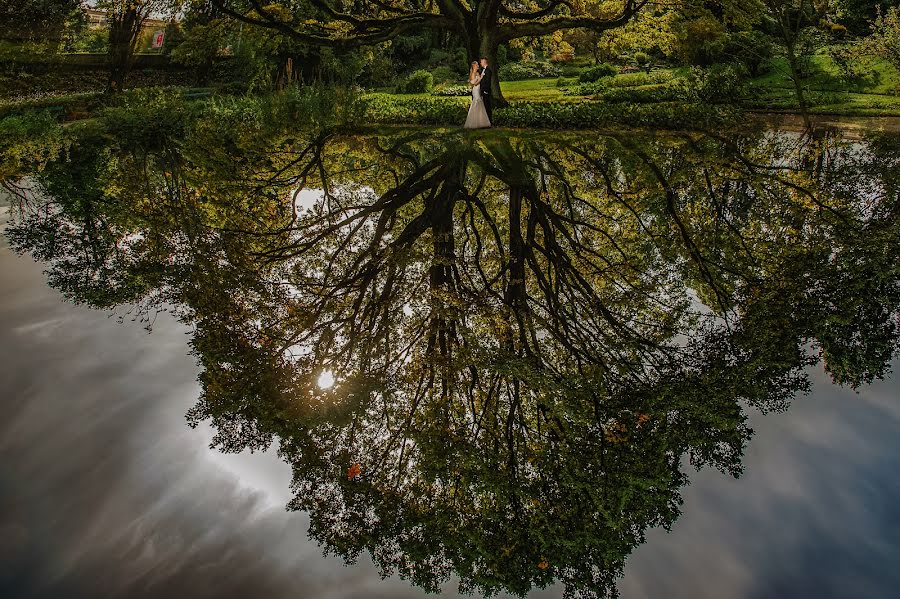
column 543, row 564
column 353, row 471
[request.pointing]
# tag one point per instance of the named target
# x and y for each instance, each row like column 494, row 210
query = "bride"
column 477, row 117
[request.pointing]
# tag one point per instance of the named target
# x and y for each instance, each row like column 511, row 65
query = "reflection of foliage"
column 530, row 337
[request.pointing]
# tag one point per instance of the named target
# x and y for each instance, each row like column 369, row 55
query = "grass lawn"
column 532, row 89
column 876, row 94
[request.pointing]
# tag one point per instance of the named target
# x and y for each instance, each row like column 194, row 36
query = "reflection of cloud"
column 816, row 513
column 104, row 491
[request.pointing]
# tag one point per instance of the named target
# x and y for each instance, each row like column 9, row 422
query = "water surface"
column 702, row 280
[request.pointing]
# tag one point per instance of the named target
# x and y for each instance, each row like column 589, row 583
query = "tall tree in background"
column 126, row 19
column 885, row 38
column 792, row 21
column 856, row 15
column 482, row 25
column 25, row 24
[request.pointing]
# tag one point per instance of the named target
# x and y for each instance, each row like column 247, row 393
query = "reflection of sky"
column 104, row 491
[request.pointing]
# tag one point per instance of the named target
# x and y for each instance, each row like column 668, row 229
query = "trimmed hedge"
column 598, row 72
column 418, row 82
column 388, row 109
column 452, row 91
column 518, row 71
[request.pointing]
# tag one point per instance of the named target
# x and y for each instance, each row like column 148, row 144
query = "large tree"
column 126, row 21
column 482, row 25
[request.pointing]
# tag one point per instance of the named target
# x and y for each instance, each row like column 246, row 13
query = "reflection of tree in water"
column 528, row 336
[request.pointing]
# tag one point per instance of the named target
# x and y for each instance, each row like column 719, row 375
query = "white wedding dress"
column 477, row 117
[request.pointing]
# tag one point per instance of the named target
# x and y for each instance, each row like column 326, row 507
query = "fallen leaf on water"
column 353, row 471
column 543, row 564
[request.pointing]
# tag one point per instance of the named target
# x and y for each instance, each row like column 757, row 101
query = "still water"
column 546, row 352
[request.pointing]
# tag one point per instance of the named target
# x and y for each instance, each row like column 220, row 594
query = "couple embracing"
column 481, row 111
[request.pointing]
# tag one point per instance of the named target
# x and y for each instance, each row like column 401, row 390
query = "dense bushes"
column 753, row 49
column 452, row 91
column 443, row 74
column 627, row 80
column 384, row 108
column 592, row 74
column 517, row 71
column 27, row 142
column 662, row 92
column 719, row 84
column 417, row 82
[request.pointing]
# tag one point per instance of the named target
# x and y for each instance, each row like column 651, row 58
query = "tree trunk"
column 481, row 41
column 123, row 31
column 796, row 75
column 490, row 51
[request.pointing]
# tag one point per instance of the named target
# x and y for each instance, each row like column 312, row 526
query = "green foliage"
column 452, row 91
column 858, row 15
column 719, row 84
column 387, row 108
column 38, row 20
column 417, row 82
column 28, row 142
column 519, row 71
column 641, row 58
column 592, row 74
column 848, row 61
column 384, row 108
column 700, row 41
column 621, row 81
column 752, row 49
column 443, row 74
column 570, row 70
column 885, row 38
column 675, row 91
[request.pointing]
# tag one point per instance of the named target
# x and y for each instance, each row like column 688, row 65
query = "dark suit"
column 486, row 74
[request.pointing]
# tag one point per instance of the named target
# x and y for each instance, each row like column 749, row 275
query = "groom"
column 486, row 73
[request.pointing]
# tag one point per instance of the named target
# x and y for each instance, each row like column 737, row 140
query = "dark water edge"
column 105, row 492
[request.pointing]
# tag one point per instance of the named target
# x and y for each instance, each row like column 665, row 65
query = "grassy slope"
column 876, row 94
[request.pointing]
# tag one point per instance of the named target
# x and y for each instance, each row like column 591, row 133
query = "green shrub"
column 719, row 84
column 641, row 58
column 753, row 49
column 418, row 82
column 649, row 94
column 593, row 74
column 517, row 71
column 443, row 74
column 621, row 81
column 452, row 91
column 28, row 142
column 848, row 60
column 570, row 70
column 386, row 108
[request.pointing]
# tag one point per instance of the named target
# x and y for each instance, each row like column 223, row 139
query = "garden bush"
column 386, row 108
column 452, row 91
column 517, row 71
column 676, row 91
column 418, row 82
column 443, row 74
column 621, row 81
column 753, row 49
column 719, row 84
column 592, row 74
column 641, row 58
